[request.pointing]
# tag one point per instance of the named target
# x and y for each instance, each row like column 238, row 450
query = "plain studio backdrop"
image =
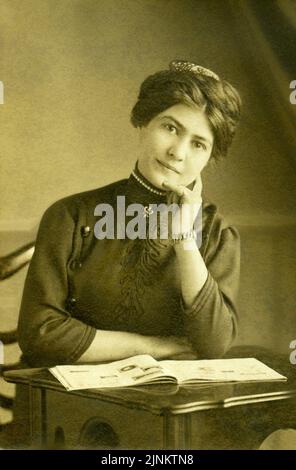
column 71, row 71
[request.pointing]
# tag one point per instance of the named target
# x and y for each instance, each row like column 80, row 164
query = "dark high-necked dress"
column 77, row 283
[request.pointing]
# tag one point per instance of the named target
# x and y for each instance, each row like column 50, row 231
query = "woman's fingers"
column 187, row 205
column 175, row 198
column 178, row 189
column 197, row 189
column 170, row 197
column 182, row 194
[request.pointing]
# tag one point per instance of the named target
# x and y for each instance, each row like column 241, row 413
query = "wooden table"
column 220, row 416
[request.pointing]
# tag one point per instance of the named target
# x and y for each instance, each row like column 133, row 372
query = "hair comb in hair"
column 184, row 66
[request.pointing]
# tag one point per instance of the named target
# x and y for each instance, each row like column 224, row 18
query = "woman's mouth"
column 168, row 166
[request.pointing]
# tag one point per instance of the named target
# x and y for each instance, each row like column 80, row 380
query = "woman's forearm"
column 193, row 271
column 116, row 345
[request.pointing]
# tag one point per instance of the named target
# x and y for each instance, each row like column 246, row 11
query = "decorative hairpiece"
column 184, row 66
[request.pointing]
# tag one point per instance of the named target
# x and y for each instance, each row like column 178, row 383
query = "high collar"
column 137, row 190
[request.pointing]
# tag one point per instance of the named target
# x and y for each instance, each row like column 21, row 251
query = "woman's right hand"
column 172, row 347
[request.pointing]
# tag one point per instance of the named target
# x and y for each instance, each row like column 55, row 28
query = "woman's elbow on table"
column 216, row 342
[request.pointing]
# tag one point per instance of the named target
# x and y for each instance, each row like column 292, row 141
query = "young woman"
column 88, row 298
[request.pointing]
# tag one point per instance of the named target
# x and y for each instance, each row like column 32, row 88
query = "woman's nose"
column 178, row 150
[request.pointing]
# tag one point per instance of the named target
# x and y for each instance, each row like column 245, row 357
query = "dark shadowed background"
column 71, row 70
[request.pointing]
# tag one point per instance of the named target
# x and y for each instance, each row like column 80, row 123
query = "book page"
column 127, row 372
column 221, row 370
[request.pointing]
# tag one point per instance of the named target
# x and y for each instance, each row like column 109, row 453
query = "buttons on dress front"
column 71, row 303
column 75, row 264
column 85, row 230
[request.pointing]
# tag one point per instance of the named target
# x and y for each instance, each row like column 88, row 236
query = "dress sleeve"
column 47, row 332
column 211, row 321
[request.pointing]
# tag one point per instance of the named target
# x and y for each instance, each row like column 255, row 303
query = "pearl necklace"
column 152, row 190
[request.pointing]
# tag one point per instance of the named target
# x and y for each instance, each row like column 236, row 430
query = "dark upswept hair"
column 217, row 98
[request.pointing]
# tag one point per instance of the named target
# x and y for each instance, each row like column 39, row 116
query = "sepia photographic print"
column 148, row 227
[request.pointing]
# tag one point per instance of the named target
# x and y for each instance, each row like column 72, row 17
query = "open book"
column 144, row 369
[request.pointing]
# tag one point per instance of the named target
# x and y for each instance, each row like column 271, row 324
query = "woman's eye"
column 171, row 128
column 198, row 145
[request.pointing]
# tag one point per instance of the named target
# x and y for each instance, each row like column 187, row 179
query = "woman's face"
column 175, row 146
